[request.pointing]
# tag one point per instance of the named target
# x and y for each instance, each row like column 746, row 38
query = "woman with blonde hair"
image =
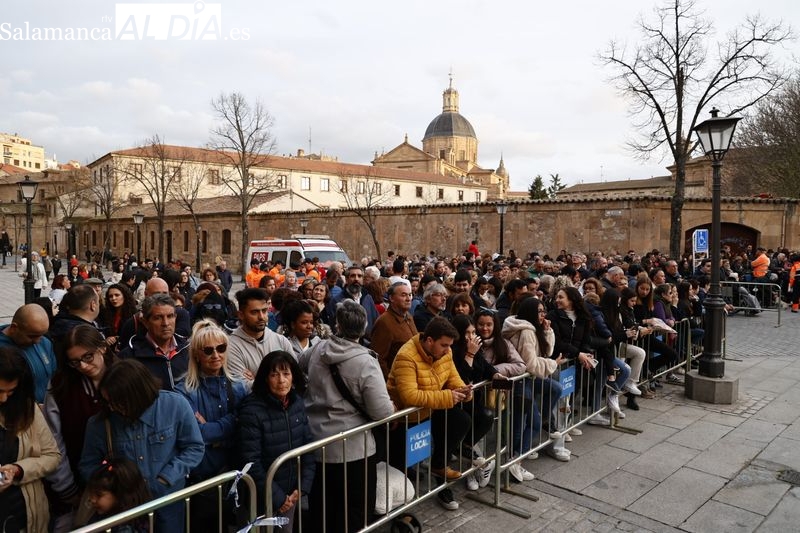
column 214, row 397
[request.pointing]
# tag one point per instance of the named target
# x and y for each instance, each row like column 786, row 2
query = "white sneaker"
column 472, row 481
column 631, row 387
column 484, row 475
column 559, row 453
column 575, row 432
column 621, row 415
column 599, row 420
column 567, row 437
column 519, row 473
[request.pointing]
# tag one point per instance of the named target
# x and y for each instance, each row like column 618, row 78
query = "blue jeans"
column 623, row 373
column 525, row 419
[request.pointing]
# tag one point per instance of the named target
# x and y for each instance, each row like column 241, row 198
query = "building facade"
column 20, row 152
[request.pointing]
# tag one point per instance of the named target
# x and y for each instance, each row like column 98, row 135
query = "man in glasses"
column 163, row 352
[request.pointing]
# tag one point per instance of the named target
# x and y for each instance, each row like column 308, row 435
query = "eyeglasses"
column 87, row 358
column 220, row 348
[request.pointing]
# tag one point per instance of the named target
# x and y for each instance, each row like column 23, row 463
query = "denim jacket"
column 210, row 399
column 164, row 442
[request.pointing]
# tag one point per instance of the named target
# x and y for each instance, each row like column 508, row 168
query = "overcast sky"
column 358, row 74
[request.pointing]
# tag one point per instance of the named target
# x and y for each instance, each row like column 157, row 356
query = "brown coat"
column 390, row 332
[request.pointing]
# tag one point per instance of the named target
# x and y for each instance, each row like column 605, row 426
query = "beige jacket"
column 38, row 456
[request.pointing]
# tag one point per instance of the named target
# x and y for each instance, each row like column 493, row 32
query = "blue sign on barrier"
column 567, row 380
column 419, row 443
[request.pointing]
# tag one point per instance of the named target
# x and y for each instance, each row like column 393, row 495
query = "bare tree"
column 767, row 158
column 185, row 194
column 156, row 169
column 244, row 139
column 70, row 191
column 104, row 192
column 673, row 74
column 363, row 194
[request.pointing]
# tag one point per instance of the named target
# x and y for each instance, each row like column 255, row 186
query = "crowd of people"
column 125, row 387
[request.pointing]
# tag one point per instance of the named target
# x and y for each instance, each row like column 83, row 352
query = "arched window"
column 226, row 241
column 94, row 238
column 185, row 241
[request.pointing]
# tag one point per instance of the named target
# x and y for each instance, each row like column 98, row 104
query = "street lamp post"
column 501, row 207
column 138, row 218
column 304, row 224
column 715, row 136
column 68, row 227
column 197, row 254
column 28, row 189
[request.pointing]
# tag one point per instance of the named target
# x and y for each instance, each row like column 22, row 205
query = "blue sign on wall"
column 419, row 443
column 567, row 380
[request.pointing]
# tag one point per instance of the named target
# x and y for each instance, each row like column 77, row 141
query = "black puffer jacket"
column 267, row 430
column 572, row 338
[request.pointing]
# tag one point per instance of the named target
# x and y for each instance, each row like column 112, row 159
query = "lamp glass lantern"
column 502, row 208
column 28, row 188
column 138, row 218
column 715, row 134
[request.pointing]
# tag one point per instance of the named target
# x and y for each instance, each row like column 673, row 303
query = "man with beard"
column 434, row 304
column 353, row 290
column 394, row 327
column 252, row 340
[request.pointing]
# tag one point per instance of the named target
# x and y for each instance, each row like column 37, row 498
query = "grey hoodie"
column 329, row 413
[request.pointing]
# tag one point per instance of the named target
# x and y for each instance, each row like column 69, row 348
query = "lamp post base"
column 711, row 390
column 28, row 286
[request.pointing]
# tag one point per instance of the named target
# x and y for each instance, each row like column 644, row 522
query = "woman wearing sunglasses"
column 214, row 398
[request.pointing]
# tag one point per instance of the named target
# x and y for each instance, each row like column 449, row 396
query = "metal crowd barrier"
column 518, row 405
column 680, row 341
column 148, row 509
column 752, row 297
column 577, row 397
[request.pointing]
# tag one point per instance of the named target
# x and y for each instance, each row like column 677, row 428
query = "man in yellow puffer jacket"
column 423, row 375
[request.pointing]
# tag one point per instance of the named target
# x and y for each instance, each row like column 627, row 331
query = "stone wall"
column 638, row 223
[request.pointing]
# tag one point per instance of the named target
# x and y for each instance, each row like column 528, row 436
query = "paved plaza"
column 695, row 467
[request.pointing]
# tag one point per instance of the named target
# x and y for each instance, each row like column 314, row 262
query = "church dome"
column 449, row 124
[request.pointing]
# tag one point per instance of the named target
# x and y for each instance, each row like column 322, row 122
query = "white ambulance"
column 296, row 248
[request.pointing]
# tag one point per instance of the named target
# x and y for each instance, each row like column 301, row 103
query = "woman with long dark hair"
column 659, row 353
column 572, row 326
column 623, row 338
column 71, row 400
column 28, row 451
column 119, row 306
column 532, row 335
column 473, row 368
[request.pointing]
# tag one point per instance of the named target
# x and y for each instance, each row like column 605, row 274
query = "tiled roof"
column 649, row 183
column 279, row 163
